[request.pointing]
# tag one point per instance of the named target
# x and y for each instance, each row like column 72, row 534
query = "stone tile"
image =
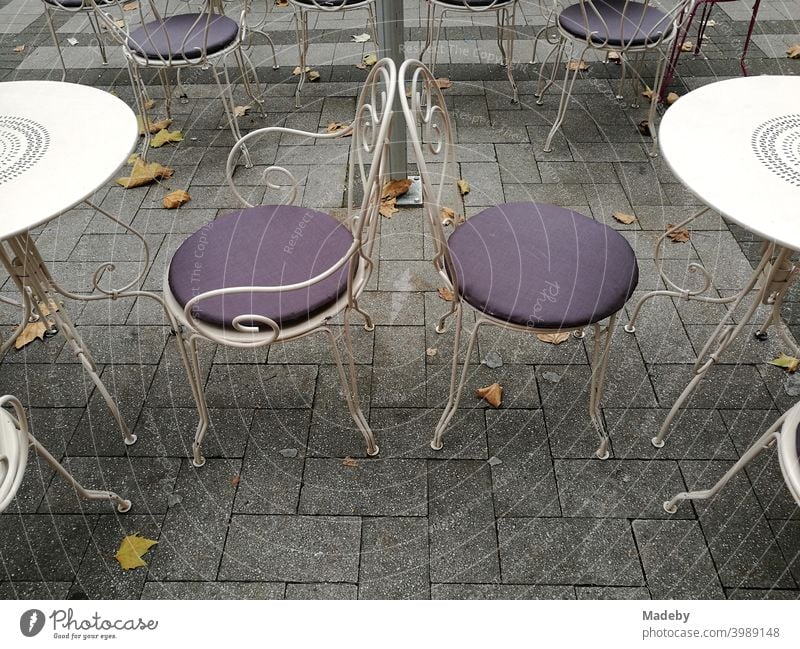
column 676, row 560
column 321, row 591
column 499, row 591
column 786, row 533
column 463, row 538
column 34, row 589
column 373, row 488
column 611, row 592
column 214, row 590
column 267, row 386
column 292, row 548
column 575, row 551
column 394, row 559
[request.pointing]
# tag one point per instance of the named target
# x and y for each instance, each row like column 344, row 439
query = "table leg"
column 777, row 272
column 25, row 266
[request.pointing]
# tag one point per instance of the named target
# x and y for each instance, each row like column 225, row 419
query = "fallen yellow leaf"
column 395, row 188
column 144, row 173
column 19, row 49
column 130, row 6
column 793, row 52
column 388, row 207
column 334, row 127
column 313, row 75
column 281, row 3
column 679, row 235
column 491, row 394
column 163, row 136
column 448, row 216
column 370, row 60
column 431, row 351
column 463, row 186
column 687, row 46
column 577, row 64
column 176, row 199
column 648, row 93
column 360, row 38
column 131, row 550
column 444, row 83
column 627, row 219
column 789, row 363
column 296, row 71
column 155, row 127
column 554, row 338
column 672, row 98
column 31, row 332
column 149, row 104
column 615, row 56
column 240, row 111
column 445, row 293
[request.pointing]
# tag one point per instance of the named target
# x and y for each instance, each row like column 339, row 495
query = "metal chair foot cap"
column 124, row 506
column 658, row 444
column 374, row 452
column 629, row 328
column 670, row 509
column 276, row 67
column 539, row 102
column 440, row 329
column 369, row 327
column 198, row 463
column 437, row 447
column 604, row 456
column 761, row 335
column 130, row 440
column 550, row 150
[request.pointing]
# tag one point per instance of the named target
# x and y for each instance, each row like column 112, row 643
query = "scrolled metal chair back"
column 430, row 134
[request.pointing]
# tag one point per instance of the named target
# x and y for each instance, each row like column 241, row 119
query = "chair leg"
column 301, row 25
column 163, row 77
column 191, row 363
column 244, row 63
column 765, row 441
column 141, row 99
column 454, row 395
column 428, row 31
column 372, row 25
column 506, row 28
column 369, row 325
column 601, row 346
column 436, row 39
column 226, row 95
column 543, row 86
column 566, row 93
column 349, row 383
column 96, row 29
column 49, row 19
column 122, row 504
column 651, row 114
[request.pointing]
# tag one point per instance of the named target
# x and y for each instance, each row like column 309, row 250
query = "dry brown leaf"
column 395, row 188
column 445, row 293
column 176, row 199
column 144, row 173
column 687, row 46
column 164, row 136
column 681, row 235
column 19, row 49
column 155, row 127
column 350, row 462
column 444, row 83
column 361, row 66
column 131, row 6
column 789, row 363
column 360, row 38
column 491, row 394
column 333, row 127
column 555, row 338
column 448, row 216
column 644, row 127
column 431, row 351
column 388, row 207
column 31, row 332
column 235, row 480
column 647, row 93
column 313, row 75
column 369, row 60
column 47, row 309
column 793, row 52
column 463, row 186
column 577, row 64
column 281, row 3
column 627, row 219
column 615, row 56
column 120, row 24
column 296, row 71
column 131, row 550
column 150, row 103
column 240, row 111
column 672, row 98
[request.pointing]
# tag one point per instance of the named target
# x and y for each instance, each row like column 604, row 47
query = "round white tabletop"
column 736, row 145
column 59, row 142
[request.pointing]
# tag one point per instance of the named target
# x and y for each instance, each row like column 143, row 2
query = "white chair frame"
column 301, row 11
column 17, row 440
column 506, row 12
column 370, row 138
column 632, row 59
column 147, row 11
column 783, row 434
column 427, row 120
column 86, row 8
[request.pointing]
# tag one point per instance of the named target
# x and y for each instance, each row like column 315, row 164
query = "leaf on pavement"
column 164, row 136
column 131, row 550
column 491, row 394
column 150, row 103
column 672, row 98
column 19, row 49
column 445, row 293
column 627, row 219
column 687, row 46
column 335, row 127
column 350, row 462
column 360, row 38
column 369, row 60
column 463, row 186
column 31, row 332
column 789, row 363
column 388, row 207
column 443, row 83
column 577, row 64
column 240, row 111
column 176, row 199
column 793, row 52
column 144, row 173
column 155, row 127
column 678, row 235
column 395, row 188
column 554, row 338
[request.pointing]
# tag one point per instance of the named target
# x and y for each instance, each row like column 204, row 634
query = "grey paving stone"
column 569, row 551
column 194, row 530
column 34, row 589
column 786, row 533
column 373, row 488
column 292, row 548
column 394, row 559
column 524, row 483
column 463, row 538
column 499, row 591
column 267, row 386
column 676, row 561
column 611, row 592
column 773, row 593
column 183, row 590
column 321, row 591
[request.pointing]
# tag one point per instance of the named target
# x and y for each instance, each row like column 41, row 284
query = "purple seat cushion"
column 622, row 23
column 543, row 266
column 74, row 4
column 268, row 245
column 797, row 442
column 476, row 3
column 183, row 36
column 329, row 3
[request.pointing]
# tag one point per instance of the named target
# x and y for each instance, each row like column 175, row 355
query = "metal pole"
column 391, row 36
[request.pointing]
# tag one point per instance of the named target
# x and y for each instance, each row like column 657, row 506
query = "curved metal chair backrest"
column 789, row 451
column 13, row 449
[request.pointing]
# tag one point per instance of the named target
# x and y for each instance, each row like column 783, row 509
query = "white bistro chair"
column 274, row 273
column 785, row 433
column 75, row 7
column 15, row 438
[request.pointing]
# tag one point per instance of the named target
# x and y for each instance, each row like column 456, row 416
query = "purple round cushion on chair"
column 168, row 38
column 465, row 4
column 542, row 266
column 329, row 3
column 797, row 442
column 268, row 245
column 622, row 22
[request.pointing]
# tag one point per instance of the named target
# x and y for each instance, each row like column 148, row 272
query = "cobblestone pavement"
column 543, row 518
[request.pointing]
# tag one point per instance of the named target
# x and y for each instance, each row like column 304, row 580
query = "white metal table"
column 59, row 143
column 736, row 145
